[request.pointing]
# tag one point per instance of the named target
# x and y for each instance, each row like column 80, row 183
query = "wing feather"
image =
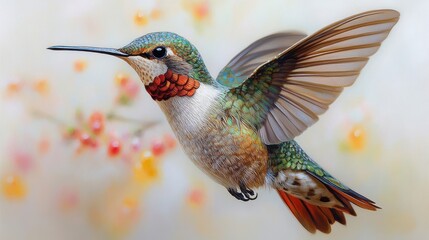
column 256, row 54
column 300, row 83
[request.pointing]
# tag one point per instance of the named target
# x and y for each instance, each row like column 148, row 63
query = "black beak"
column 108, row 51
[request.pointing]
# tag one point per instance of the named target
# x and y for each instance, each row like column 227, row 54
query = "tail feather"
column 328, row 214
column 297, row 208
column 313, row 217
column 348, row 195
column 355, row 198
column 316, row 198
column 339, row 216
column 347, row 207
column 310, row 216
column 319, row 218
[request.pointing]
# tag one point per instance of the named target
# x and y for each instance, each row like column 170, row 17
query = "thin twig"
column 48, row 117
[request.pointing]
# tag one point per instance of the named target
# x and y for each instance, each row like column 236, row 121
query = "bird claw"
column 245, row 193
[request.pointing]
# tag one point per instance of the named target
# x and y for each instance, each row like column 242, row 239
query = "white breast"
column 189, row 114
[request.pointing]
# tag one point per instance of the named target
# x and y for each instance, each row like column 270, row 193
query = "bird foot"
column 245, row 194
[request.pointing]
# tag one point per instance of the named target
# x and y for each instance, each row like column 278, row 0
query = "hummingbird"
column 239, row 127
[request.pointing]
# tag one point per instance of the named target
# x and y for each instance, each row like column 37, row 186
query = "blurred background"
column 86, row 154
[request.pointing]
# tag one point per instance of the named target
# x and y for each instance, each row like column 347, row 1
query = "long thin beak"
column 108, row 51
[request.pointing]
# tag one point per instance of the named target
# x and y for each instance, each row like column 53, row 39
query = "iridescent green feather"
column 229, row 78
column 289, row 155
column 252, row 100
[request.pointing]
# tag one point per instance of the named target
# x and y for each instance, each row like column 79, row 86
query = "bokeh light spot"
column 114, row 147
column 13, row 88
column 146, row 169
column 158, row 147
column 80, row 65
column 13, row 187
column 196, row 197
column 42, row 86
column 357, row 138
column 96, row 122
column 140, row 19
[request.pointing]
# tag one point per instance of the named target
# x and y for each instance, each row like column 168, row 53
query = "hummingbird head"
column 167, row 64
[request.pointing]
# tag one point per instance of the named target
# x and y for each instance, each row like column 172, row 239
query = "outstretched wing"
column 256, row 54
column 284, row 96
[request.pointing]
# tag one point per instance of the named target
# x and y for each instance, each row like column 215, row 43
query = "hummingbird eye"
column 159, row 52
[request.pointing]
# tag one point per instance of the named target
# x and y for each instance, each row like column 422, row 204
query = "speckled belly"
column 231, row 155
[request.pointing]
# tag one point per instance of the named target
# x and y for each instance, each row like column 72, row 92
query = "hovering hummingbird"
column 239, row 128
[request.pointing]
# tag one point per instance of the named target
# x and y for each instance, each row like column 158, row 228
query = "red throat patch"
column 170, row 85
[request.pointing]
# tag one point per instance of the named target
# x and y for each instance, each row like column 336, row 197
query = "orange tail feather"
column 355, row 198
column 320, row 218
